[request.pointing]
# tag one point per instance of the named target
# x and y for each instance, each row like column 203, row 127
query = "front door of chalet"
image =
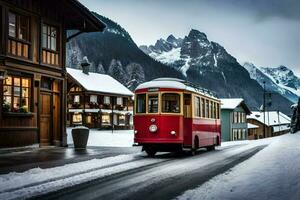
column 46, row 135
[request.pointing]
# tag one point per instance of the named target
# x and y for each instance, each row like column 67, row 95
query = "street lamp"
column 264, row 108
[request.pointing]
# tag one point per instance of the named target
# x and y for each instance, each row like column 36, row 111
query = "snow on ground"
column 41, row 181
column 120, row 138
column 272, row 173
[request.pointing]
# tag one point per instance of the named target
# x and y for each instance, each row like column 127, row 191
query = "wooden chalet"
column 98, row 101
column 275, row 123
column 33, row 86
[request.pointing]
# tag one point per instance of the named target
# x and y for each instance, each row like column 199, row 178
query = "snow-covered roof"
column 281, row 128
column 99, row 82
column 231, row 103
column 251, row 126
column 272, row 118
column 173, row 83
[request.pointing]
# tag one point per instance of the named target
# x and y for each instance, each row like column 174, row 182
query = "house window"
column 93, row 99
column 18, row 32
column 89, row 119
column 77, row 118
column 170, row 103
column 106, row 100
column 153, row 103
column 122, row 120
column 119, row 101
column 235, row 117
column 105, row 119
column 76, row 99
column 197, row 107
column 16, row 94
column 50, row 54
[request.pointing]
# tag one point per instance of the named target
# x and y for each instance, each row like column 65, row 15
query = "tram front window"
column 153, row 103
column 170, row 103
column 141, row 103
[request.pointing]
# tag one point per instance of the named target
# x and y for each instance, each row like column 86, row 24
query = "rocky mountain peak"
column 195, row 34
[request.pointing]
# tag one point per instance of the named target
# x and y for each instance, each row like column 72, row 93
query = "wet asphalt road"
column 167, row 178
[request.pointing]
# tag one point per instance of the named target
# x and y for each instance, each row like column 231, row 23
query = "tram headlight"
column 135, row 131
column 152, row 128
column 173, row 132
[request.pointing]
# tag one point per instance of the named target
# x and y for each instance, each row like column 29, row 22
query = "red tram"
column 173, row 115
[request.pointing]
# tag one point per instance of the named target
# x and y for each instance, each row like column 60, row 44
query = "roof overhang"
column 78, row 17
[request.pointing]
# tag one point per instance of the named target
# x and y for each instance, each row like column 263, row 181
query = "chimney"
column 85, row 65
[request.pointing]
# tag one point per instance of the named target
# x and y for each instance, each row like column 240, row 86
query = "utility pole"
column 264, row 108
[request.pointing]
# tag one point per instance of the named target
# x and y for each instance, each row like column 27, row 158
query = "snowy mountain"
column 281, row 80
column 209, row 64
column 114, row 52
column 193, row 58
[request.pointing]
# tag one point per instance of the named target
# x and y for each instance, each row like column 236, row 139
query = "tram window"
column 141, row 103
column 202, row 107
column 153, row 103
column 206, row 109
column 214, row 110
column 211, row 111
column 218, row 111
column 197, row 107
column 170, row 103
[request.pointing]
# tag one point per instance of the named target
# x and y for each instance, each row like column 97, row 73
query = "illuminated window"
column 16, row 94
column 105, row 119
column 153, row 103
column 170, row 103
column 89, row 119
column 77, row 118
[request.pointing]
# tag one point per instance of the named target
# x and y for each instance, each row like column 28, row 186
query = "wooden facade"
column 32, row 68
column 233, row 120
column 275, row 123
column 98, row 109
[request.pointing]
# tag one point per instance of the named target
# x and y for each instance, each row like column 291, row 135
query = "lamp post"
column 264, row 108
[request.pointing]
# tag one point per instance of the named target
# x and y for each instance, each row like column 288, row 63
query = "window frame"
column 137, row 103
column 148, row 103
column 13, row 95
column 50, row 56
column 17, row 46
column 180, row 103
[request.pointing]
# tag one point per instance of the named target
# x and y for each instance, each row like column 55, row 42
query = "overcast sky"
column 264, row 32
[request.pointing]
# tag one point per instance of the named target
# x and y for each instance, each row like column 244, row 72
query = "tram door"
column 187, row 106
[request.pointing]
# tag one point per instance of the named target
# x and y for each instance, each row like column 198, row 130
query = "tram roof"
column 175, row 83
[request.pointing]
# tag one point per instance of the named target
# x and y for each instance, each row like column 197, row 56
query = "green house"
column 233, row 119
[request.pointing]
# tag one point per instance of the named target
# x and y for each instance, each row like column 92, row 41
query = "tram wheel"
column 150, row 152
column 211, row 148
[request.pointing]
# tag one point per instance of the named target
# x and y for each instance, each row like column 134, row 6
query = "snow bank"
column 41, row 181
column 273, row 173
column 123, row 138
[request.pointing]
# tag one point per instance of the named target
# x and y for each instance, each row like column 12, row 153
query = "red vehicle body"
column 171, row 115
